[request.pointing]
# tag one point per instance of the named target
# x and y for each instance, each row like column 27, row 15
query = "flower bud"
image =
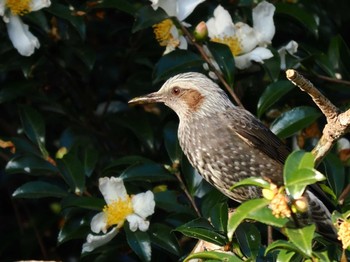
column 200, row 33
column 268, row 193
column 61, row 152
column 301, row 204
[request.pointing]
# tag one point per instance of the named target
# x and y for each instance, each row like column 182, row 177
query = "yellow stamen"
column 232, row 42
column 344, row 234
column 117, row 211
column 163, row 34
column 19, row 7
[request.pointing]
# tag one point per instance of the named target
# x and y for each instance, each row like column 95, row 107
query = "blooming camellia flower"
column 120, row 207
column 246, row 43
column 166, row 32
column 11, row 10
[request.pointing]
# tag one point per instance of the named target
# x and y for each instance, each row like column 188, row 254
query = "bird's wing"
column 255, row 133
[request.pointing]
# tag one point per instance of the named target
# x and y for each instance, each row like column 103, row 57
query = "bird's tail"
column 321, row 216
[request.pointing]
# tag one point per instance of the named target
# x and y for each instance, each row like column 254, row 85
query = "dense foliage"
column 65, row 123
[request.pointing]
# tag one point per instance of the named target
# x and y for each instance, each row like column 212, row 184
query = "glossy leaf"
column 178, row 61
column 249, row 239
column 92, row 203
column 29, row 164
column 34, row 127
column 306, row 19
column 139, row 242
column 73, row 172
column 213, row 256
column 252, row 181
column 122, row 5
column 339, row 55
column 223, row 56
column 272, row 66
column 146, row 17
column 89, row 160
column 242, row 212
column 219, row 216
column 272, row 94
column 285, row 256
column 302, row 238
column 162, row 236
column 264, row 215
column 200, row 228
column 283, row 245
column 73, row 229
column 147, row 172
column 335, row 173
column 294, row 120
column 39, row 189
column 168, row 201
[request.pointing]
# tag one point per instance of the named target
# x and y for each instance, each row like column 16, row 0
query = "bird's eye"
column 176, row 90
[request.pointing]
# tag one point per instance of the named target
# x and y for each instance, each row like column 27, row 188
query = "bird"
column 226, row 143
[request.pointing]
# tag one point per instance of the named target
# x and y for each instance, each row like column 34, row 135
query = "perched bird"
column 224, row 142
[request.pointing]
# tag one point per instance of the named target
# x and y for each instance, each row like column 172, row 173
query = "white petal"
column 137, row 222
column 169, row 6
column 186, row 7
column 39, row 4
column 23, row 40
column 263, row 22
column 183, row 43
column 143, row 204
column 221, row 24
column 292, row 47
column 247, row 37
column 258, row 55
column 99, row 223
column 94, row 241
column 112, row 189
column 2, row 7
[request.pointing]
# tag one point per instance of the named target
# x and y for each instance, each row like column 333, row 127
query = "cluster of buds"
column 281, row 205
column 343, row 232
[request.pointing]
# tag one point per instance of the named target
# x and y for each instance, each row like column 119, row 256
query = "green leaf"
column 34, row 127
column 139, row 242
column 302, row 238
column 251, row 181
column 39, row 189
column 264, row 215
column 73, row 172
column 219, row 216
column 146, row 17
column 147, row 173
column 272, row 94
column 64, row 12
column 178, row 61
column 162, row 236
column 298, row 173
column 122, row 5
column 171, row 142
column 339, row 56
column 86, row 55
column 168, row 201
column 90, row 157
column 305, row 18
column 29, row 164
column 73, row 229
column 294, row 120
column 200, row 228
column 272, row 66
column 12, row 90
column 285, row 256
column 214, row 256
column 335, row 173
column 249, row 239
column 91, row 203
column 223, row 56
column 283, row 245
column 242, row 212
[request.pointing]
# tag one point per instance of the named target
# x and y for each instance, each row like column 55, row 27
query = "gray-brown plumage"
column 225, row 143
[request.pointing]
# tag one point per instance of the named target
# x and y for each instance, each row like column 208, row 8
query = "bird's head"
column 189, row 94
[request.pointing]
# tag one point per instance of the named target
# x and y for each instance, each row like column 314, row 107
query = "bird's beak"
column 146, row 99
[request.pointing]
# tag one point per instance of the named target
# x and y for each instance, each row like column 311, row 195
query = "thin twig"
column 207, row 60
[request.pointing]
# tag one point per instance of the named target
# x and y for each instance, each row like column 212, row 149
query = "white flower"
column 290, row 48
column 166, row 32
column 11, row 10
column 119, row 207
column 246, row 43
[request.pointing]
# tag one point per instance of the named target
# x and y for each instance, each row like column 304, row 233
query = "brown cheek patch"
column 193, row 99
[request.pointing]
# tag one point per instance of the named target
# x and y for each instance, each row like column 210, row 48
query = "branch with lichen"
column 200, row 49
column 338, row 123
